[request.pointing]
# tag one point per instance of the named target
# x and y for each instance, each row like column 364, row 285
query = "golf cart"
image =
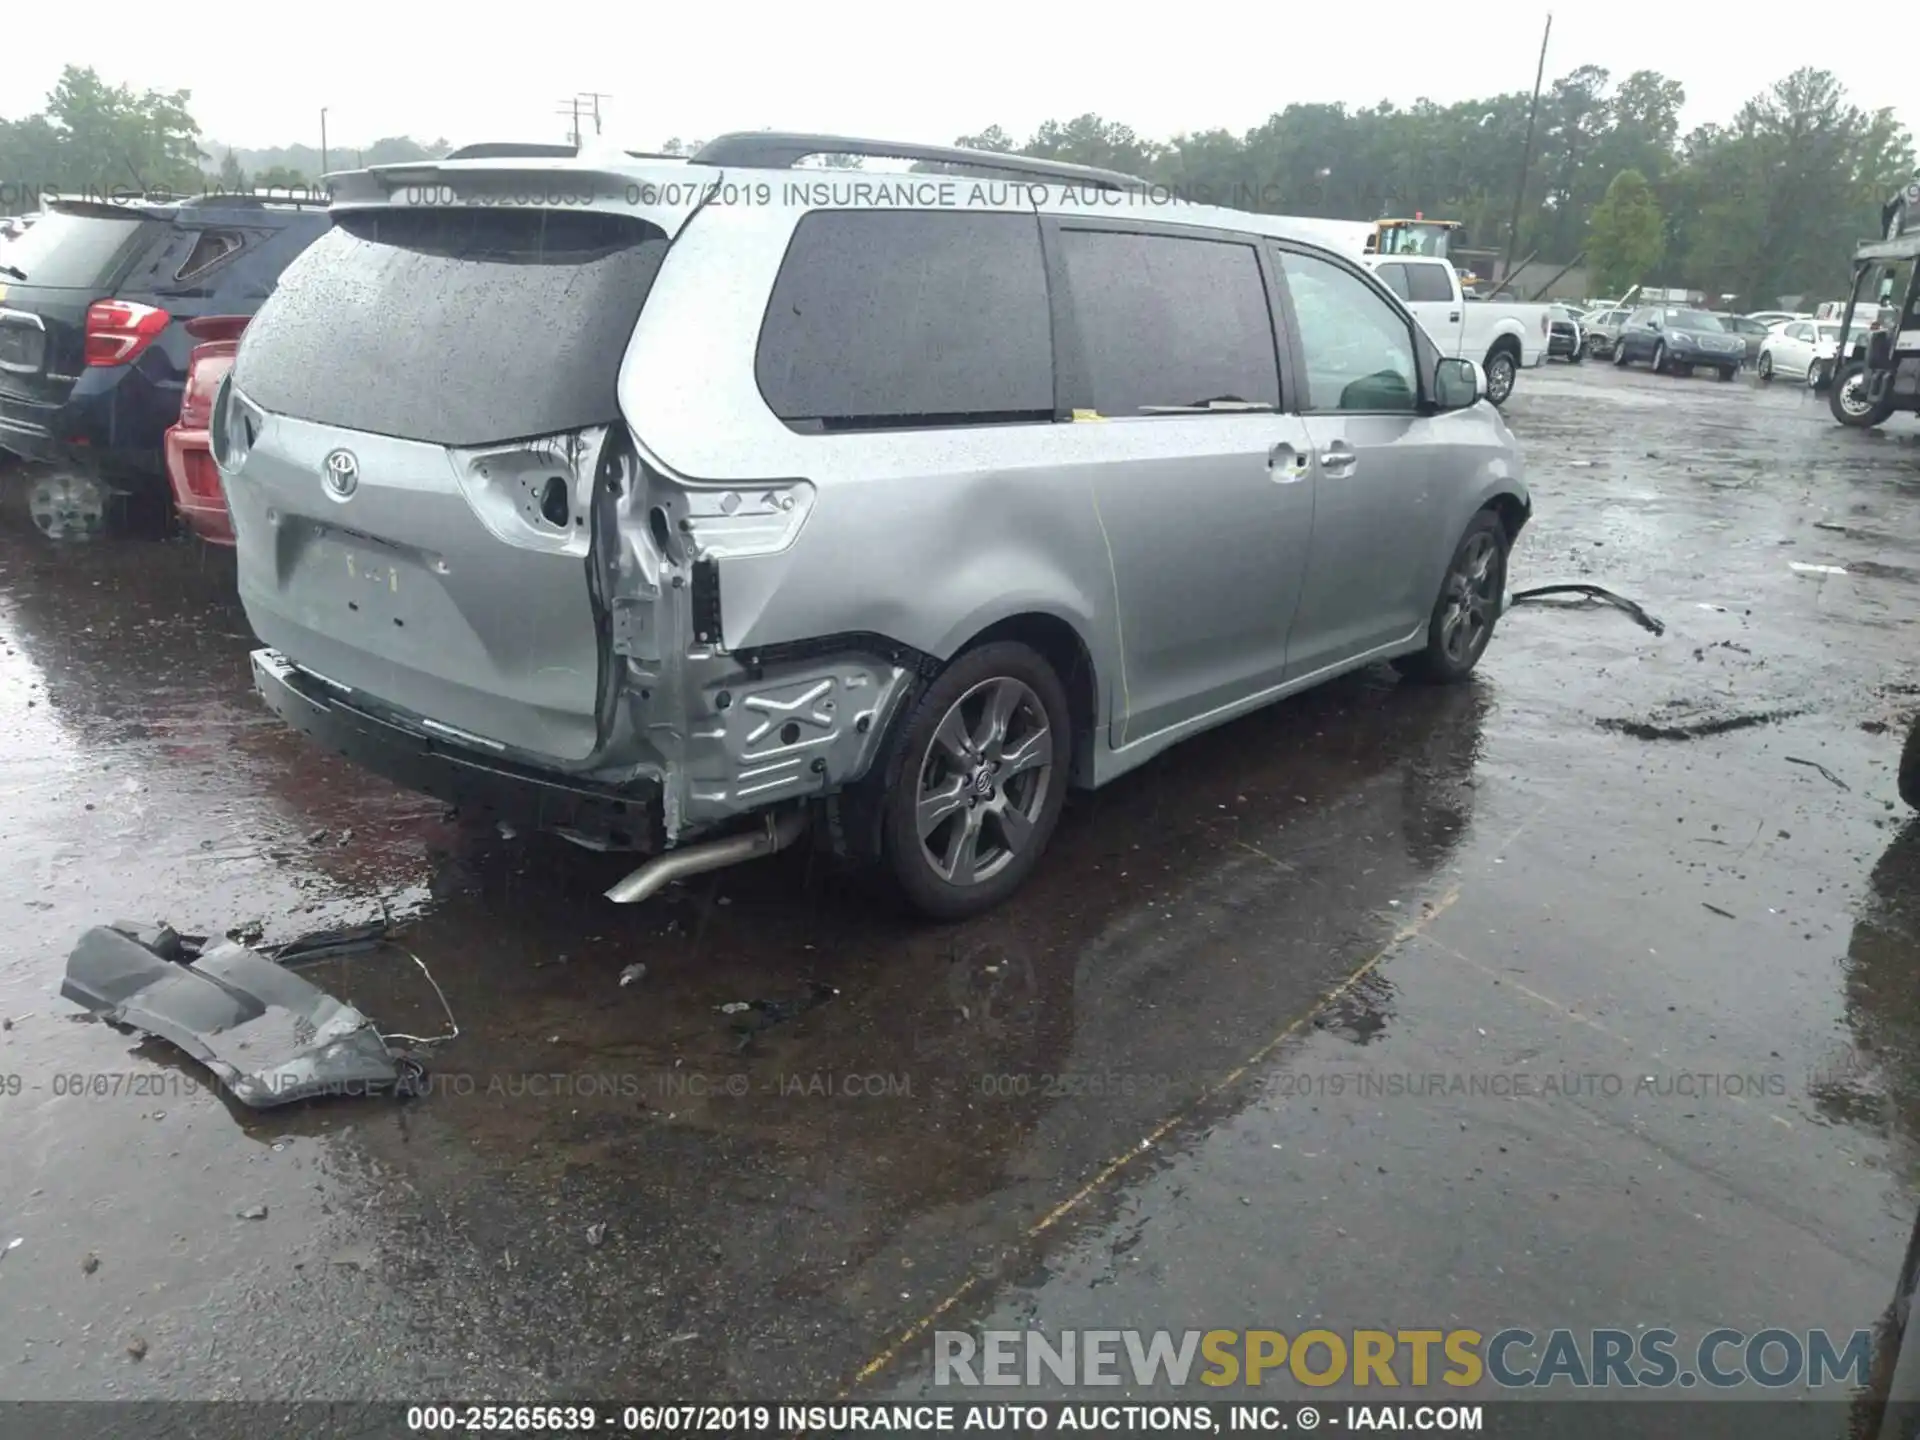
column 1877, row 370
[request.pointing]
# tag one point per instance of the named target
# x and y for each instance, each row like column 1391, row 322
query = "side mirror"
column 1457, row 384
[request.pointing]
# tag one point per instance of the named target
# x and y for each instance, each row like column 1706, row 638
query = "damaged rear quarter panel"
column 923, row 537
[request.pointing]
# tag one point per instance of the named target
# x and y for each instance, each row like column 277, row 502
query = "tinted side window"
column 1429, row 282
column 1358, row 348
column 1168, row 322
column 1394, row 277
column 901, row 318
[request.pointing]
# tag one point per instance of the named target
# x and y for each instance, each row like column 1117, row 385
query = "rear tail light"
column 118, row 330
column 208, row 367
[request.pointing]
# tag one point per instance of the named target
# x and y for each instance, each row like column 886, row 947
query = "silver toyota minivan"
column 671, row 505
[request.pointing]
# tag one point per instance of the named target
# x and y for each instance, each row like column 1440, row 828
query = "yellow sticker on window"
column 1080, row 415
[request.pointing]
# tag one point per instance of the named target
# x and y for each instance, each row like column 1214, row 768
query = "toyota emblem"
column 340, row 473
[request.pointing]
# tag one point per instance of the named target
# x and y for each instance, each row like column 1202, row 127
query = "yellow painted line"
column 1159, row 1132
column 1561, row 1008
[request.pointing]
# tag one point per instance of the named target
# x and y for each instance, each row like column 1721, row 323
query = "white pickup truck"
column 1503, row 335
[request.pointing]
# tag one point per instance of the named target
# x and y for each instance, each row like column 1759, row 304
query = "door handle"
column 1453, row 315
column 1286, row 465
column 1339, row 458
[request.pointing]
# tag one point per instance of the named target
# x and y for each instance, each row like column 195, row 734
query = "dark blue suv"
column 94, row 301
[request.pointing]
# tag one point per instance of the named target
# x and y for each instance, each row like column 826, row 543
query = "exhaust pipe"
column 661, row 871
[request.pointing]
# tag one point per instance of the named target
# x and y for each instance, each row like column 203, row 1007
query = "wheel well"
column 1061, row 646
column 1504, row 342
column 1511, row 513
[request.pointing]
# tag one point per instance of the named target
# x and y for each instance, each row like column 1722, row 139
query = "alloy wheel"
column 1470, row 601
column 67, row 507
column 984, row 781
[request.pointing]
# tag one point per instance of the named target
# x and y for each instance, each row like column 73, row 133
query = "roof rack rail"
column 782, row 150
column 512, row 149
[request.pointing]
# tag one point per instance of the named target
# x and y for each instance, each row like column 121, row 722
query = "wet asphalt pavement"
column 1151, row 1091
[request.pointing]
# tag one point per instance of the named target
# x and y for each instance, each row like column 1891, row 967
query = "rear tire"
column 1660, row 358
column 1500, row 370
column 1765, row 368
column 1727, row 372
column 1620, row 354
column 974, row 780
column 1579, row 354
column 1467, row 607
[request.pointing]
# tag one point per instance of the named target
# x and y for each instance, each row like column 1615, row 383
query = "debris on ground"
column 1816, row 765
column 1591, row 593
column 12, row 1245
column 596, row 1232
column 253, row 1212
column 1718, row 911
column 137, row 1348
column 1803, row 568
column 269, row 1036
column 1674, row 724
column 753, row 1016
column 90, row 1264
column 632, row 973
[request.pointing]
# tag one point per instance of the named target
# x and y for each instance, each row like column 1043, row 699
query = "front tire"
column 1620, row 354
column 1765, row 369
column 1849, row 404
column 1727, row 372
column 1579, row 354
column 1467, row 608
column 1500, row 372
column 1660, row 358
column 975, row 779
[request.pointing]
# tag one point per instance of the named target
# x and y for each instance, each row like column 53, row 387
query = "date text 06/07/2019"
column 915, row 1418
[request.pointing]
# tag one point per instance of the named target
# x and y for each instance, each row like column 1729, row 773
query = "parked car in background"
column 93, row 344
column 1502, row 336
column 1565, row 338
column 1601, row 328
column 1675, row 339
column 1770, row 318
column 517, row 499
column 1753, row 332
column 197, row 496
column 1804, row 349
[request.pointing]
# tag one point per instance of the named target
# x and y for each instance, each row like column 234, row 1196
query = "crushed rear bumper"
column 601, row 816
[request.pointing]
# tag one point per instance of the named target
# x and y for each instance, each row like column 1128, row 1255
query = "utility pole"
column 1526, row 158
column 596, row 97
column 323, row 140
column 572, row 108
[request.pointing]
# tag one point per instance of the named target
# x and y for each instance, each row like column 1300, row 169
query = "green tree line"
column 93, row 138
column 1770, row 202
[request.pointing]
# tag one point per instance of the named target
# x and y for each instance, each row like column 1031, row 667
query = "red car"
column 196, row 482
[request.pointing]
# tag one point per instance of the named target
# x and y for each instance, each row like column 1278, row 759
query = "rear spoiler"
column 114, row 209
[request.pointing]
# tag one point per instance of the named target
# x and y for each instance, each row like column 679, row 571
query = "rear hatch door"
column 78, row 254
column 423, row 401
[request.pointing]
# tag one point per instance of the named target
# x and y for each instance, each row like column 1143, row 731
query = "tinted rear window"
column 78, row 252
column 908, row 318
column 1167, row 321
column 1429, row 282
column 457, row 327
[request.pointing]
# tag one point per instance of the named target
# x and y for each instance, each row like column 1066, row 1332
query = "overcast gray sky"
column 260, row 75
